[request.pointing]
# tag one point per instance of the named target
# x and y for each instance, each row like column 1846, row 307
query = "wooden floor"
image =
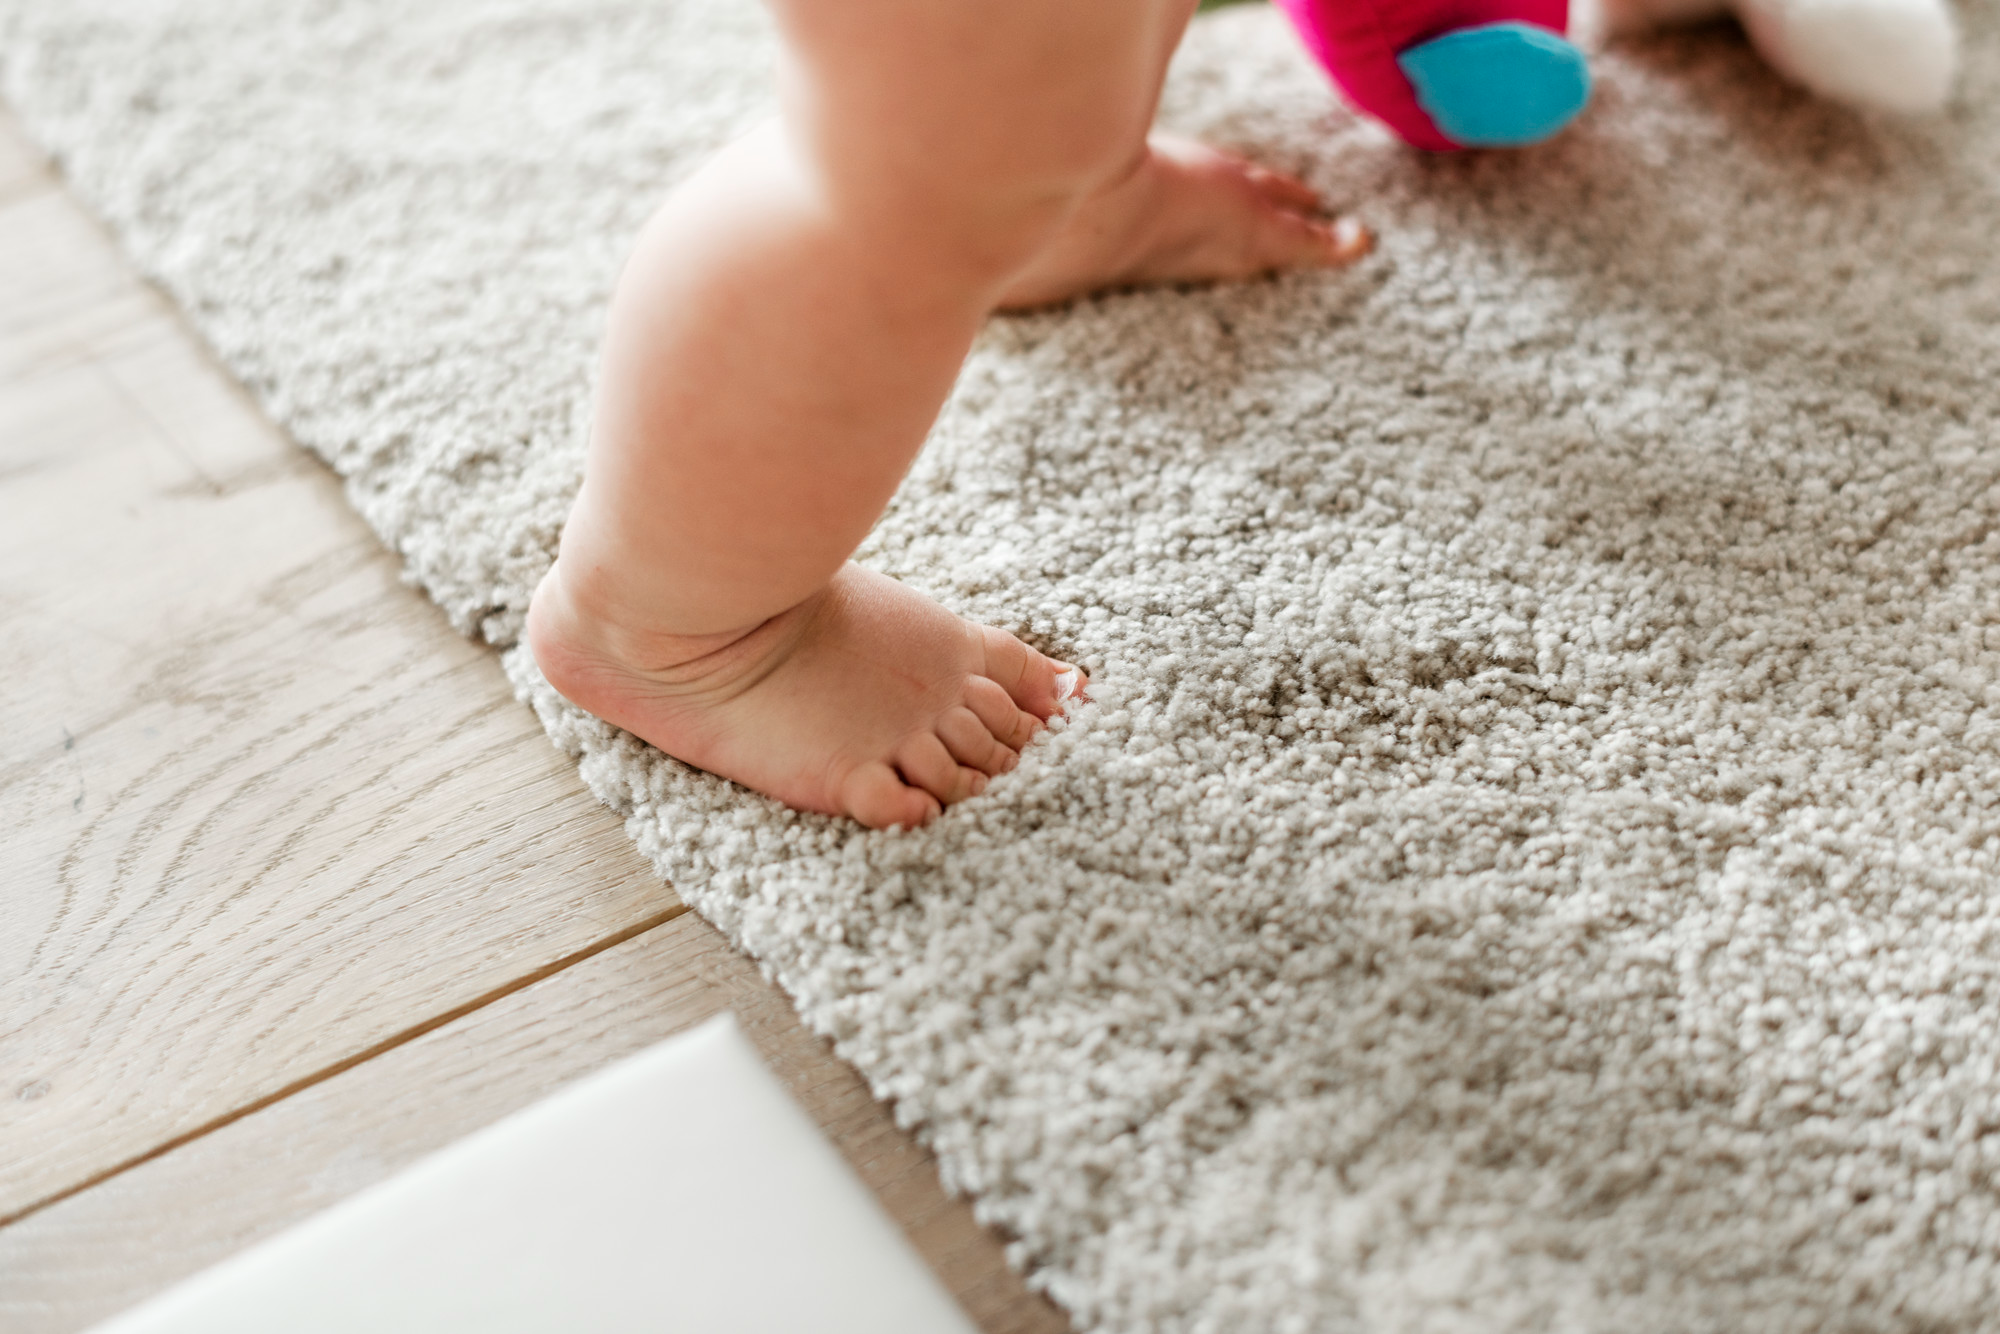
column 294, row 890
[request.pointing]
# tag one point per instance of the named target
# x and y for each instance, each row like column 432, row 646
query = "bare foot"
column 867, row 699
column 1187, row 213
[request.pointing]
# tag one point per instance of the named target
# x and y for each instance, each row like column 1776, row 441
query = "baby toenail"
column 1069, row 684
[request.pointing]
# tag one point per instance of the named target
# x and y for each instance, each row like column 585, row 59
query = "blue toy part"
column 1498, row 85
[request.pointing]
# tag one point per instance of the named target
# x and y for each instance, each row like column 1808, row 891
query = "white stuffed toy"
column 1891, row 55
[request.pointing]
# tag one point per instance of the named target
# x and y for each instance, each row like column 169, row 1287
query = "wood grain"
column 296, row 892
column 118, row 1243
column 21, row 167
column 266, row 810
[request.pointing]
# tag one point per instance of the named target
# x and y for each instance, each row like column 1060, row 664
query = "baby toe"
column 924, row 762
column 1281, row 240
column 972, row 743
column 1287, row 192
column 1014, row 726
column 877, row 796
column 1035, row 682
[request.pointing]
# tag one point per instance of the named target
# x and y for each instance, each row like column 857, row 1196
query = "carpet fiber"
column 1534, row 859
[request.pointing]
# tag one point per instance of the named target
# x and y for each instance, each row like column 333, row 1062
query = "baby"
column 785, row 333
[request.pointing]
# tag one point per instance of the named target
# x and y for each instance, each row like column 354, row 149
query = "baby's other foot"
column 1187, row 213
column 867, row 699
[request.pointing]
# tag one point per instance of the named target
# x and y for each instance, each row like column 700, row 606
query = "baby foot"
column 867, row 699
column 1187, row 213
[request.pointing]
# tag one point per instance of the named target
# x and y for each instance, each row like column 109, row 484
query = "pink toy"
column 1447, row 74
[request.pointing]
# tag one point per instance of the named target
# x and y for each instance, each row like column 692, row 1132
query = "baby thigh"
column 930, row 118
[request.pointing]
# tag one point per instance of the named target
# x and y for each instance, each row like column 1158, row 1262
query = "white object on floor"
column 679, row 1190
column 1531, row 862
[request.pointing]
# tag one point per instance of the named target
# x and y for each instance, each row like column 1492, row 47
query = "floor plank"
column 65, row 295
column 266, row 810
column 116, row 1244
column 296, row 892
column 21, row 167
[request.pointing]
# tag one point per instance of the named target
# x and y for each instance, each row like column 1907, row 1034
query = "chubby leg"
column 768, row 373
column 779, row 345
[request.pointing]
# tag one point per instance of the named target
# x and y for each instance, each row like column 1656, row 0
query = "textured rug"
column 1533, row 862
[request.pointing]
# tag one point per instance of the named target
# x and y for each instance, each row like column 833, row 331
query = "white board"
column 679, row 1190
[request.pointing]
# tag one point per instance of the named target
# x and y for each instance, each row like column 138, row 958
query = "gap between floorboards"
column 346, row 1063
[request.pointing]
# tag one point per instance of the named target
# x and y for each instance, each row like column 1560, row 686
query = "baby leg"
column 779, row 345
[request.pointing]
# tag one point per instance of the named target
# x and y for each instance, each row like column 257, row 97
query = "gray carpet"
column 1534, row 859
